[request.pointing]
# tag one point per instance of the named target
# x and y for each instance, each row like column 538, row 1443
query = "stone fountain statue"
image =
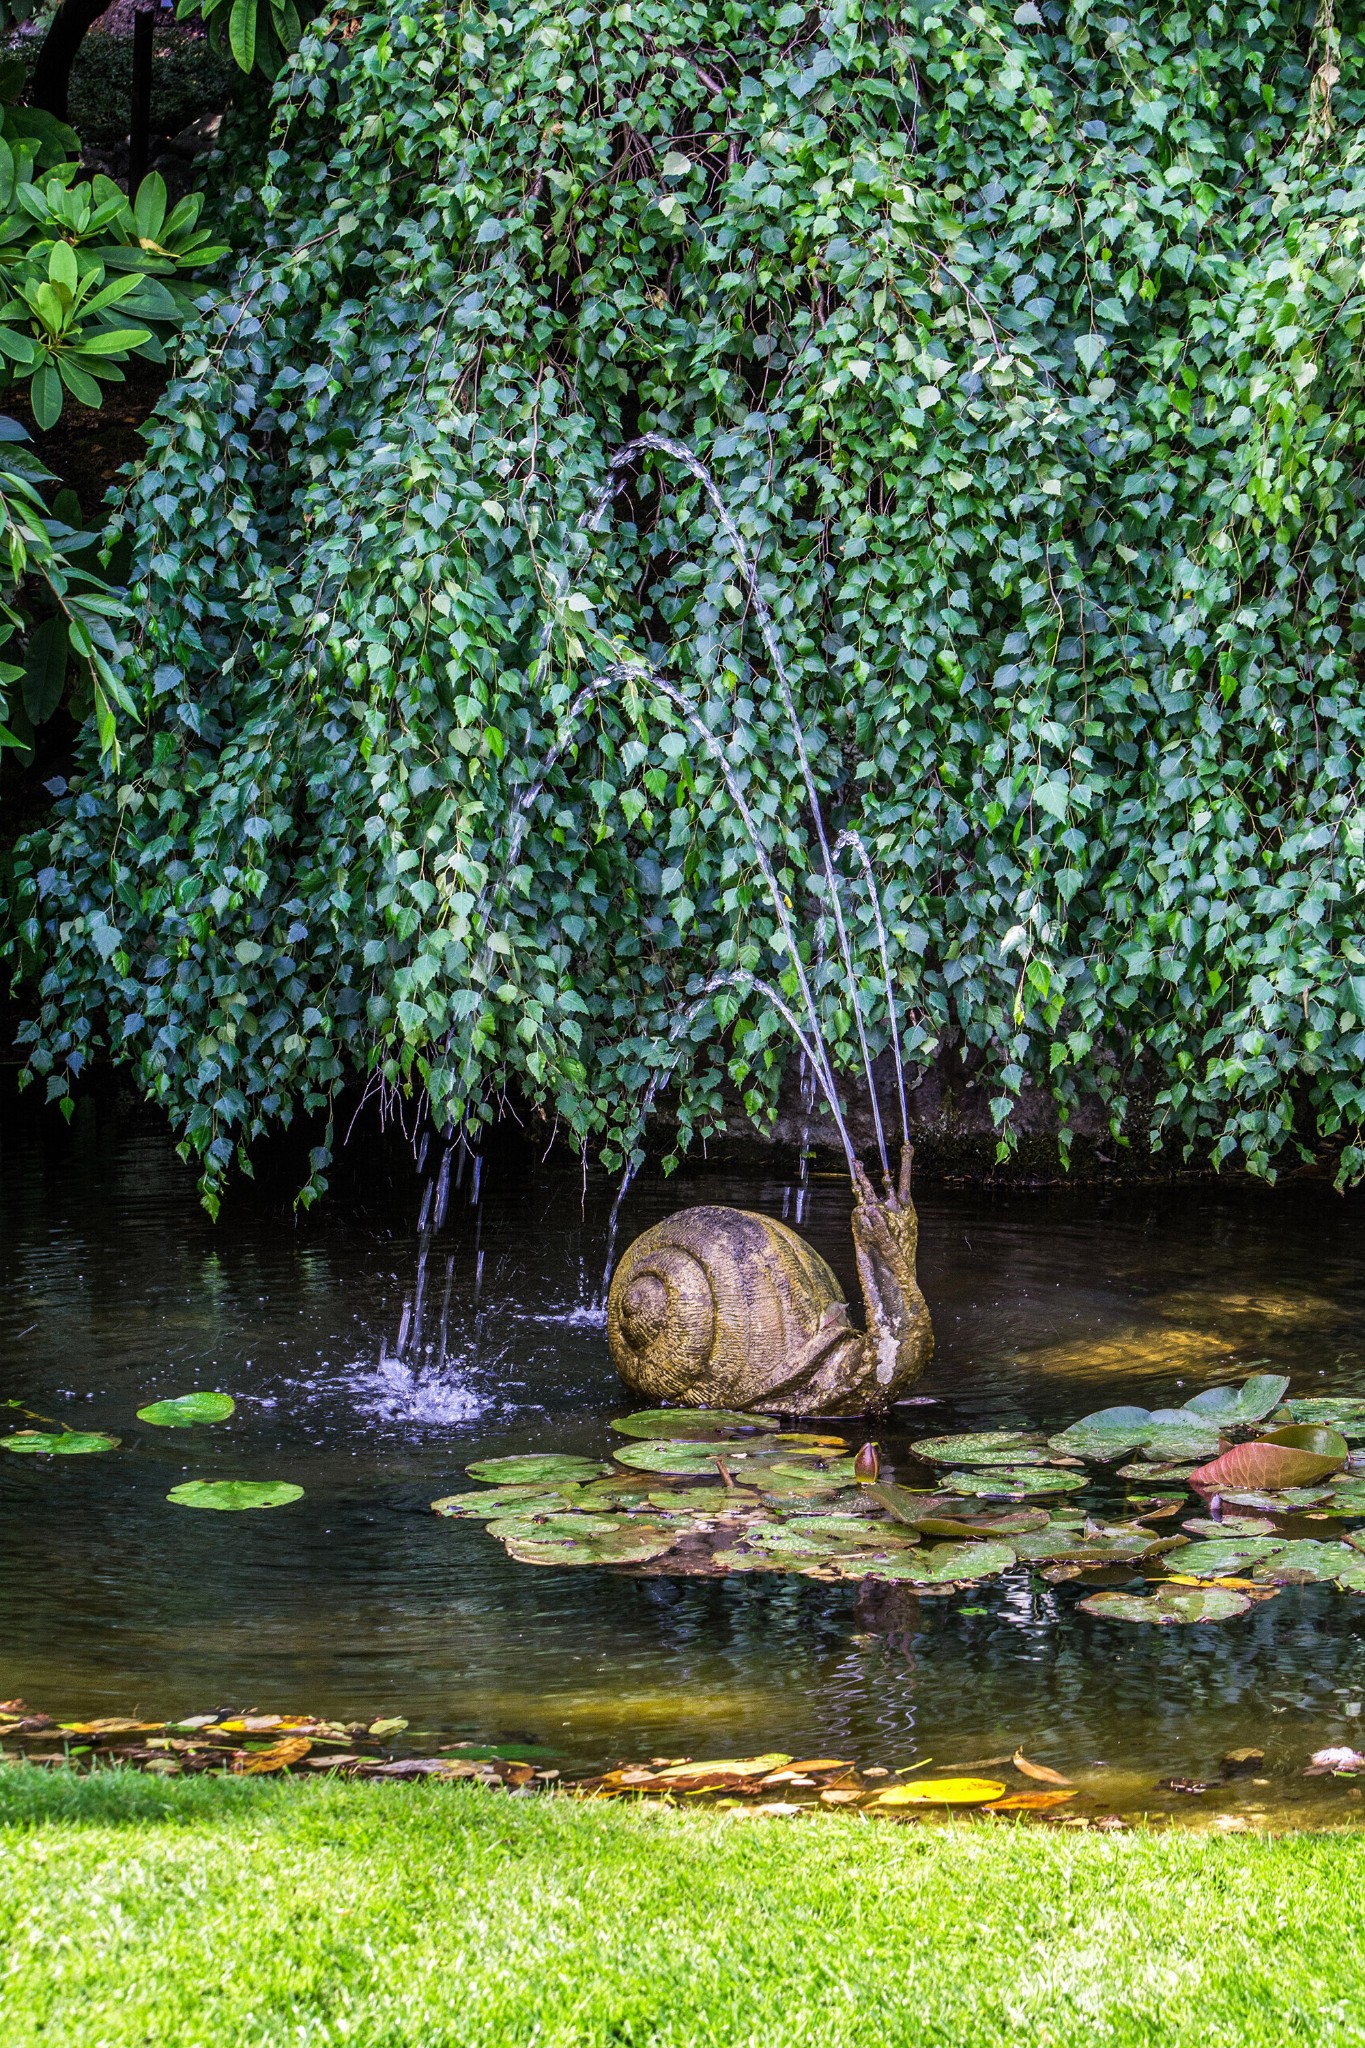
column 723, row 1308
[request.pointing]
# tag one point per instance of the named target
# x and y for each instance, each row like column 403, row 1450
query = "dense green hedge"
column 1025, row 343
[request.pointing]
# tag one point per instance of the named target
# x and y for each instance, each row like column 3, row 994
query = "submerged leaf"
column 62, row 1443
column 187, row 1409
column 555, row 1468
column 691, row 1425
column 1032, row 1802
column 235, row 1495
column 1041, row 1772
column 1168, row 1606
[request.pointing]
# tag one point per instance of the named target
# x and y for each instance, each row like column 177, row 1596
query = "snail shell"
column 713, row 1307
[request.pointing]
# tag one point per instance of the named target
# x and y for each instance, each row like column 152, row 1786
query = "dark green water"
column 115, row 1289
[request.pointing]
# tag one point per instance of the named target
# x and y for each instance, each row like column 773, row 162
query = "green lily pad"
column 1238, row 1407
column 1168, row 1606
column 946, row 1564
column 1226, row 1557
column 985, row 1527
column 634, row 1543
column 691, row 1425
column 1007, row 1482
column 685, row 1459
column 1350, row 1576
column 1102, row 1546
column 984, row 1447
column 59, row 1443
column 531, row 1527
column 1165, row 1435
column 555, row 1468
column 1345, row 1412
column 234, row 1495
column 705, row 1500
column 495, row 1500
column 1283, row 1500
column 1157, row 1475
column 783, row 1483
column 187, row 1409
column 1231, row 1525
column 816, row 1539
column 750, row 1561
column 1303, row 1564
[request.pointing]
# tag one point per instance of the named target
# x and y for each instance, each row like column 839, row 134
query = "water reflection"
column 373, row 1385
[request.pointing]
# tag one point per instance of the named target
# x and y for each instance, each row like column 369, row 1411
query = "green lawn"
column 231, row 1914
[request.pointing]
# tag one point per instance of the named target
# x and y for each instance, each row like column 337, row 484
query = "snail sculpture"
column 723, row 1308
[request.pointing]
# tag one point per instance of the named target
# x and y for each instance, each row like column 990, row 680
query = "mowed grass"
column 231, row 1914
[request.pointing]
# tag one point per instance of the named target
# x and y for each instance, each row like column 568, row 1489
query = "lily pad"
column 494, row 1501
column 1008, row 1525
column 1301, row 1564
column 540, row 1527
column 187, row 1409
column 1288, row 1457
column 1169, row 1605
column 1350, row 1576
column 984, row 1447
column 940, row 1792
column 1238, row 1407
column 1163, row 1434
column 691, row 1425
column 1345, row 1412
column 1225, row 1557
column 1102, row 1546
column 1008, row 1481
column 945, row 1565
column 634, row 1543
column 555, row 1468
column 786, row 1482
column 1157, row 1474
column 235, row 1495
column 59, row 1443
column 685, row 1459
column 1231, row 1525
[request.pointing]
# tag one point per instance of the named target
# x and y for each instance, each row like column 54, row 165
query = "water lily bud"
column 867, row 1464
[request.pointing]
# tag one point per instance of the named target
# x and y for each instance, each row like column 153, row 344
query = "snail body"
column 724, row 1308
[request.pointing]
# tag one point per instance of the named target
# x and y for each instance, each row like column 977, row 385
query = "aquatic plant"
column 1024, row 354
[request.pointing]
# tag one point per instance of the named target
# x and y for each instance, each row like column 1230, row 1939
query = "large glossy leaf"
column 692, row 1425
column 945, row 1564
column 1169, row 1606
column 1350, row 1575
column 186, row 1409
column 1288, row 1457
column 1343, row 1412
column 1161, row 1434
column 530, row 1523
column 59, row 1443
column 555, row 1468
column 234, row 1496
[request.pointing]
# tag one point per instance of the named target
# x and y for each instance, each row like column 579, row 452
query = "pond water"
column 115, row 1289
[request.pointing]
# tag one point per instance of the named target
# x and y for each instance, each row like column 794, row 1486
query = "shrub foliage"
column 1024, row 344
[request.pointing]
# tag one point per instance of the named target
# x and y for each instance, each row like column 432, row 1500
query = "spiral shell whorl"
column 661, row 1317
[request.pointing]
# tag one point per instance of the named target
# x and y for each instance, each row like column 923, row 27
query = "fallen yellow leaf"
column 278, row 1757
column 942, row 1792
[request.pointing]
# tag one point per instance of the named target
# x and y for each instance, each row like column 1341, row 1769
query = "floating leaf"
column 1280, row 1503
column 1007, row 1482
column 688, row 1460
column 1168, row 1606
column 495, row 1500
column 940, row 1792
column 1289, row 1457
column 187, row 1409
column 984, row 1447
column 1161, row 1434
column 1231, row 1525
column 1338, row 1411
column 61, row 1443
column 903, row 1504
column 1226, row 1556
column 1237, row 1407
column 1018, row 1522
column 1350, row 1574
column 633, row 1543
column 1157, row 1475
column 691, row 1425
column 542, row 1526
column 553, row 1468
column 280, row 1755
column 1102, row 1546
column 234, row 1495
column 1300, row 1564
column 945, row 1565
